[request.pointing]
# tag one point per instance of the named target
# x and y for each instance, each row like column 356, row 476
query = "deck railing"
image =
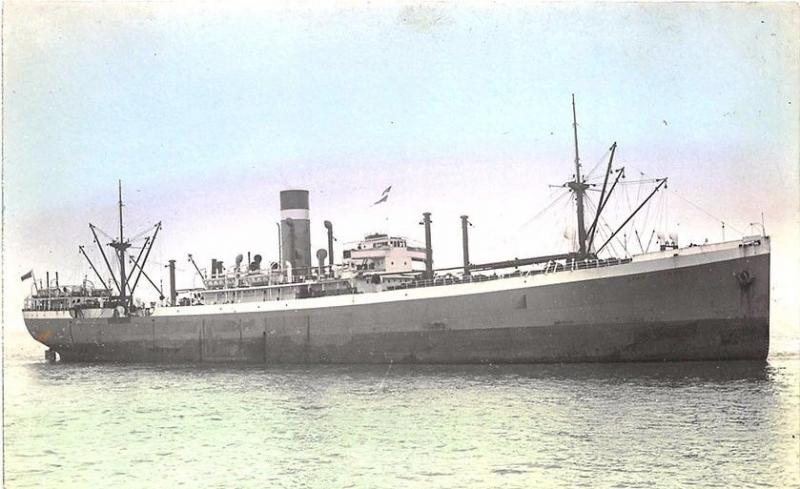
column 552, row 267
column 41, row 304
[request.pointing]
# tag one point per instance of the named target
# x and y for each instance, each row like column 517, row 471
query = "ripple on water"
column 705, row 424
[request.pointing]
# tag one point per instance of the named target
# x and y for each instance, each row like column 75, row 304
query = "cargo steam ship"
column 384, row 302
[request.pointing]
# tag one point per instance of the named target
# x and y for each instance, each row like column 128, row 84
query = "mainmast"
column 120, row 246
column 127, row 281
column 578, row 186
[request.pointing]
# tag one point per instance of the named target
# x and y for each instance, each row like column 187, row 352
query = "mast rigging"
column 92, row 227
column 202, row 276
column 126, row 285
column 80, row 248
column 158, row 289
column 602, row 195
column 146, row 255
column 141, row 251
column 602, row 205
column 662, row 182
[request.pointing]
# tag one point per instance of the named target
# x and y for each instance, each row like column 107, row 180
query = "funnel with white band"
column 296, row 231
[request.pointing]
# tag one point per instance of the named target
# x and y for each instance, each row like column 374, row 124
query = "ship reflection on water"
column 661, row 373
column 677, row 373
column 729, row 424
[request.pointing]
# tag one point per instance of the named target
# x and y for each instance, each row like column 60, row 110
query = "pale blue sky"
column 206, row 112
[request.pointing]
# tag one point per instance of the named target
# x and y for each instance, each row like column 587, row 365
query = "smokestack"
column 57, row 280
column 465, row 243
column 426, row 220
column 173, row 295
column 296, row 230
column 329, row 227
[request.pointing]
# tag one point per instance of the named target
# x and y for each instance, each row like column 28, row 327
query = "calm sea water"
column 710, row 424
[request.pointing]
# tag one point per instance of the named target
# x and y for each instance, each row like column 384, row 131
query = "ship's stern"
column 50, row 328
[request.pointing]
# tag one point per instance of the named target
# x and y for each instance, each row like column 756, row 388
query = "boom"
column 663, row 181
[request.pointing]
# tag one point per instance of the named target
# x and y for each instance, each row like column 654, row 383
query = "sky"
column 206, row 111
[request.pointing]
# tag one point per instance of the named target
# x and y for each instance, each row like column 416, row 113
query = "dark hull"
column 696, row 340
column 699, row 312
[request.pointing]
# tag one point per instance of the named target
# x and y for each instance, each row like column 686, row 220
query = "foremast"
column 579, row 187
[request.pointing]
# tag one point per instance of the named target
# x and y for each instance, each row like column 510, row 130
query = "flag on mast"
column 384, row 196
column 27, row 275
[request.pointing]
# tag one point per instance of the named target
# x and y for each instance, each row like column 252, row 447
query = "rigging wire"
column 141, row 235
column 642, row 180
column 727, row 224
column 696, row 206
column 605, row 234
column 611, row 243
column 160, row 257
column 505, row 237
column 162, row 264
column 636, row 217
column 112, row 238
column 104, row 233
column 655, row 215
column 600, row 232
column 566, row 212
column 638, row 193
column 596, row 165
column 548, row 207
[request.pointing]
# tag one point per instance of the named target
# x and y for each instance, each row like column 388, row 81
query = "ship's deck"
column 554, row 271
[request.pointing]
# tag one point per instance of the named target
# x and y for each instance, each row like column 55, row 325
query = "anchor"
column 744, row 278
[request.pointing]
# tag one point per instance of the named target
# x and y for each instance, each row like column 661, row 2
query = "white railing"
column 550, row 267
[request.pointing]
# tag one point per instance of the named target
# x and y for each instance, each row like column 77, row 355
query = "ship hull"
column 676, row 308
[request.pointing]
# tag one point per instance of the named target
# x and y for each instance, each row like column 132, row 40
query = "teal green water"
column 649, row 425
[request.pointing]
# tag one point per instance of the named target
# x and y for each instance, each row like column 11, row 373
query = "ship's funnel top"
column 294, row 199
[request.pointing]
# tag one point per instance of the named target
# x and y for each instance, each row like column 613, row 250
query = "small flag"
column 384, row 195
column 27, row 276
